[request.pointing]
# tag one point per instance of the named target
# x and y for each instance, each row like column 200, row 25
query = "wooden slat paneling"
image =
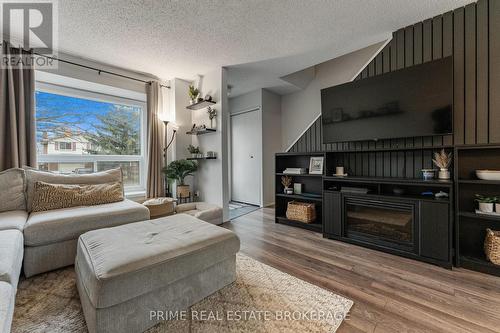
column 408, row 47
column 482, row 72
column 494, row 99
column 458, row 77
column 448, row 34
column 437, row 38
column 400, row 37
column 418, row 46
column 387, row 58
column 427, row 40
column 470, row 74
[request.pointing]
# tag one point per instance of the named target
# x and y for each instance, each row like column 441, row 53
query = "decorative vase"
column 193, row 101
column 212, row 123
column 486, row 207
column 183, row 191
column 288, row 190
column 194, row 155
column 444, row 174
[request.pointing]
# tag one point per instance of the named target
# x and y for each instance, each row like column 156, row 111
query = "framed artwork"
column 316, row 165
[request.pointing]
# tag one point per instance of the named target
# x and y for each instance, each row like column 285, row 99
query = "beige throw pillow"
column 55, row 196
column 101, row 177
column 12, row 187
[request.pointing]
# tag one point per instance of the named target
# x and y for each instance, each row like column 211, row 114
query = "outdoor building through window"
column 84, row 132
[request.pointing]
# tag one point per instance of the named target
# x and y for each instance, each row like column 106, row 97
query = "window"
column 65, row 145
column 83, row 132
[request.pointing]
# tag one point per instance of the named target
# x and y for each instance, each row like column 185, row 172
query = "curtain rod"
column 99, row 71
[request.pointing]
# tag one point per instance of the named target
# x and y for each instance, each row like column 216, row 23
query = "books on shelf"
column 295, row 171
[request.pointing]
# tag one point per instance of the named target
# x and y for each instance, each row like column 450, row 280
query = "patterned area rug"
column 262, row 299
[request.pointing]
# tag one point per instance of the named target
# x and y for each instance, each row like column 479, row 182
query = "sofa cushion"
column 11, row 256
column 12, row 187
column 14, row 219
column 118, row 264
column 68, row 223
column 7, row 297
column 202, row 210
column 55, row 196
column 34, row 175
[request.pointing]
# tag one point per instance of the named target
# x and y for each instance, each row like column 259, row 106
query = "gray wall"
column 301, row 109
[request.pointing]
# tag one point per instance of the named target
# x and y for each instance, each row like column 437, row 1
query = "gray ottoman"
column 126, row 273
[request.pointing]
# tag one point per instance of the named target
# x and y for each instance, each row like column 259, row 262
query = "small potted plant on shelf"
column 286, row 181
column 178, row 171
column 443, row 161
column 212, row 114
column 193, row 94
column 486, row 203
column 195, row 151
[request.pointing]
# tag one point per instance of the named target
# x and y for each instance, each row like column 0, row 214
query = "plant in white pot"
column 178, row 171
column 486, row 203
column 443, row 161
column 193, row 94
column 194, row 151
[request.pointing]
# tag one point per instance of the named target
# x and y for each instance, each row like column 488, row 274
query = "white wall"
column 271, row 143
column 211, row 178
column 299, row 110
column 246, row 101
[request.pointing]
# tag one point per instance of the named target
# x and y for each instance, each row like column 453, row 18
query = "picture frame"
column 316, row 165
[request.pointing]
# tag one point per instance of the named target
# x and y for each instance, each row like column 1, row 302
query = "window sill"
column 136, row 195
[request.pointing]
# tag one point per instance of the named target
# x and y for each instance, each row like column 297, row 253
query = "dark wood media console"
column 409, row 224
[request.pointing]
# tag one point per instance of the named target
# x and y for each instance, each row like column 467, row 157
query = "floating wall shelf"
column 201, row 132
column 200, row 105
column 202, row 158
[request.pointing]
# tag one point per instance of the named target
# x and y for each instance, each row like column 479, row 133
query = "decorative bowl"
column 488, row 174
column 428, row 174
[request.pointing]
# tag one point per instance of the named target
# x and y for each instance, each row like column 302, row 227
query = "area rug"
column 262, row 299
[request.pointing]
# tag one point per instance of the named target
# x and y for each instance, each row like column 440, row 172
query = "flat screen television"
column 416, row 101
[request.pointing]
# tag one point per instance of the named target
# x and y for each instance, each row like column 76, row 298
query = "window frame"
column 106, row 98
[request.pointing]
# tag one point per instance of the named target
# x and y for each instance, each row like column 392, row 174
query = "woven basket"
column 301, row 211
column 492, row 246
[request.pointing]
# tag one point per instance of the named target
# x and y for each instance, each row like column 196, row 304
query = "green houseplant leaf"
column 180, row 169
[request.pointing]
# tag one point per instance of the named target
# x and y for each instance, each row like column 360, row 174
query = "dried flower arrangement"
column 442, row 160
column 286, row 181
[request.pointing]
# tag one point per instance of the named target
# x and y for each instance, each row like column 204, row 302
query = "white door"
column 246, row 151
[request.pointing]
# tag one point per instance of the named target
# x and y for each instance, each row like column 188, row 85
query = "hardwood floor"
column 390, row 294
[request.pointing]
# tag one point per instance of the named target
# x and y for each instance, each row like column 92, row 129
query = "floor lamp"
column 165, row 153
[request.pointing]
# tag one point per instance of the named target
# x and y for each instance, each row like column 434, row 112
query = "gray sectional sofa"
column 43, row 241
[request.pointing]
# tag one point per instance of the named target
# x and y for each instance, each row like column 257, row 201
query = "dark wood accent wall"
column 472, row 35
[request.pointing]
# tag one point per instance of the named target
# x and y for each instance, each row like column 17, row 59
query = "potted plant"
column 193, row 94
column 212, row 114
column 194, row 151
column 443, row 161
column 486, row 203
column 286, row 181
column 178, row 171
